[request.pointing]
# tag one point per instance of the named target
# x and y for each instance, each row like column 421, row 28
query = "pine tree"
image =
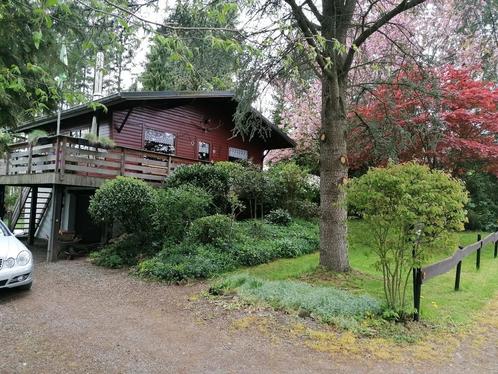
column 191, row 59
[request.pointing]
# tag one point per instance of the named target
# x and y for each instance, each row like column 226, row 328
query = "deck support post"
column 2, row 202
column 32, row 215
column 55, row 223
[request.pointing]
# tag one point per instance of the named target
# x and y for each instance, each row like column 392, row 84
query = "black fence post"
column 478, row 253
column 458, row 272
column 417, row 291
column 496, row 249
column 457, row 277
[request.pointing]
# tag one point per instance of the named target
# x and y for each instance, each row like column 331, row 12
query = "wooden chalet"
column 154, row 133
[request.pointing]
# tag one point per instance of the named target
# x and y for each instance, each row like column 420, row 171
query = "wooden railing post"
column 122, row 165
column 63, row 158
column 30, row 158
column 478, row 253
column 169, row 165
column 7, row 162
column 57, row 155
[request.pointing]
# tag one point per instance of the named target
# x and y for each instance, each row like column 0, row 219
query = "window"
column 235, row 154
column 79, row 133
column 203, row 151
column 159, row 141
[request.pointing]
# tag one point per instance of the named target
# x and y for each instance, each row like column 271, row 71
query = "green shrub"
column 216, row 229
column 483, row 205
column 251, row 253
column 289, row 185
column 126, row 250
column 255, row 189
column 306, row 209
column 274, row 242
column 177, row 208
column 5, row 141
column 129, row 201
column 202, row 254
column 279, row 217
column 254, row 228
column 204, row 261
column 108, row 258
column 211, row 178
column 409, row 208
column 288, row 248
column 323, row 303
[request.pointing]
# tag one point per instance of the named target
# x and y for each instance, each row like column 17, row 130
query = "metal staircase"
column 19, row 224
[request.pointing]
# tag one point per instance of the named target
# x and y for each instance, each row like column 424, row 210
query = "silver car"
column 16, row 261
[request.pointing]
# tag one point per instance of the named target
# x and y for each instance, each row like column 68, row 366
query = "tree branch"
column 164, row 25
column 400, row 8
column 314, row 10
column 309, row 32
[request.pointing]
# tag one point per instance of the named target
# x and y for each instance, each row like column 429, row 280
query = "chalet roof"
column 136, row 97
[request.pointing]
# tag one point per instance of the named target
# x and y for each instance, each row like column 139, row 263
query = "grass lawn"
column 440, row 303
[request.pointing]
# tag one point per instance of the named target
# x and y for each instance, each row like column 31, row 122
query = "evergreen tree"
column 99, row 28
column 28, row 59
column 197, row 59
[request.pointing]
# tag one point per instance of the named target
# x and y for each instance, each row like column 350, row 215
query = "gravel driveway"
column 84, row 319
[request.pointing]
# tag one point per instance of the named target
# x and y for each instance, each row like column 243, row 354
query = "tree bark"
column 333, row 176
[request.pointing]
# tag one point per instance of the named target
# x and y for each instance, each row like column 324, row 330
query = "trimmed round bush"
column 129, row 201
column 177, row 208
column 215, row 229
column 279, row 217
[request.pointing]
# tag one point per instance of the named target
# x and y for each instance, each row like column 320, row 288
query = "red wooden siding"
column 186, row 122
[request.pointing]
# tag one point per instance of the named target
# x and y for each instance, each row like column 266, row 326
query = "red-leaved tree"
column 446, row 118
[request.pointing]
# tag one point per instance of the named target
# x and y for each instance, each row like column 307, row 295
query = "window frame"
column 209, row 150
column 237, row 158
column 174, row 145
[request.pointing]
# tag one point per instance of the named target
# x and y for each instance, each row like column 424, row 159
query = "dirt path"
column 84, row 319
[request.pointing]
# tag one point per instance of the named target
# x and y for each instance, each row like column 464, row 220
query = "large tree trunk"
column 333, row 176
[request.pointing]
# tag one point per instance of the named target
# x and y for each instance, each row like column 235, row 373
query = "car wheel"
column 26, row 287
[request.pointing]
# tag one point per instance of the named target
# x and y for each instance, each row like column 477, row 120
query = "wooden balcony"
column 75, row 162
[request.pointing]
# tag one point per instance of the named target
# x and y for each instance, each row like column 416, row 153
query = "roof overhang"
column 132, row 98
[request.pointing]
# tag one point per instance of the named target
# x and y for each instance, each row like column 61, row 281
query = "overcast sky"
column 155, row 15
column 265, row 101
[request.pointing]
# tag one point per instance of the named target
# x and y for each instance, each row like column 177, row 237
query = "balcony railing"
column 65, row 155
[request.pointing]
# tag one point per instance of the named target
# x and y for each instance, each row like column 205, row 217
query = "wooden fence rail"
column 422, row 275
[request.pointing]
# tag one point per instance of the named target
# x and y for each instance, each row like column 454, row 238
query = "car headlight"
column 10, row 262
column 23, row 258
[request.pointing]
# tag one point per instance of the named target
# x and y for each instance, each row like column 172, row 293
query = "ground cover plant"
column 325, row 303
column 442, row 307
column 213, row 248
